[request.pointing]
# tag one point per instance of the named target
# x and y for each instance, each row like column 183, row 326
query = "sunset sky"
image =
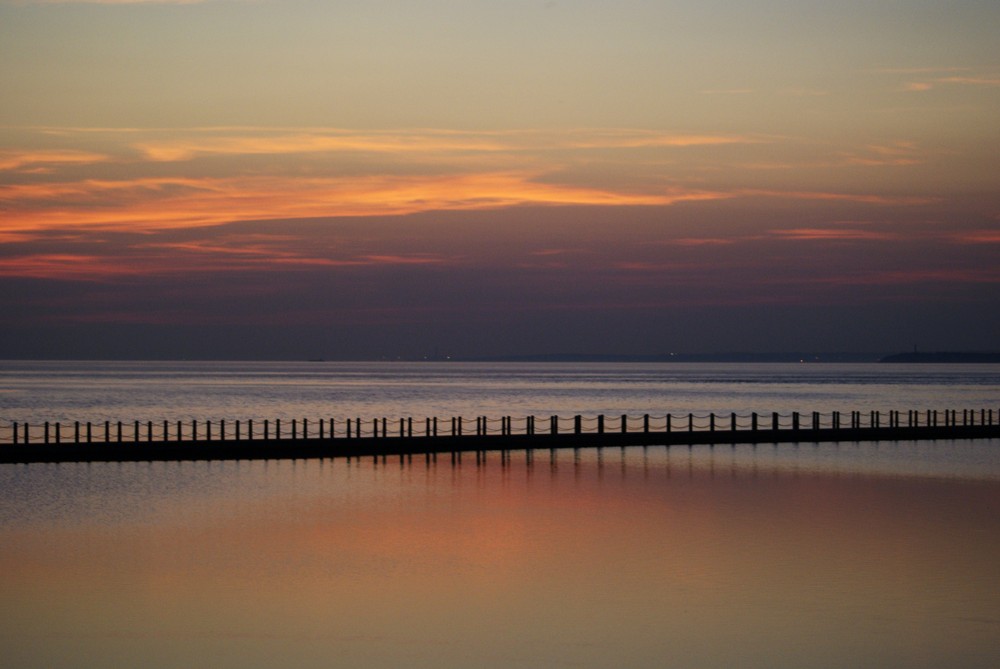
column 382, row 178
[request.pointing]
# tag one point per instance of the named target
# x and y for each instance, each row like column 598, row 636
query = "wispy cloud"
column 929, row 84
column 19, row 160
column 152, row 204
column 832, row 234
column 269, row 141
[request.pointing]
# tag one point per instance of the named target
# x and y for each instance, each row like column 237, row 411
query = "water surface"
column 774, row 556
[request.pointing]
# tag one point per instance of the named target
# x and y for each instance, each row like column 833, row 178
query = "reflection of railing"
column 528, row 430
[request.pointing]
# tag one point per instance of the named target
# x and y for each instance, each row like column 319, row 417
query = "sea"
column 861, row 554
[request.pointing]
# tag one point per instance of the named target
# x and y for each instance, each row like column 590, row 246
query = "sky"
column 295, row 179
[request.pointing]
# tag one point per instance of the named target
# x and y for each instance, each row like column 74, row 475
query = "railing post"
column 15, row 433
column 711, row 422
column 624, row 423
column 753, row 421
column 577, row 424
column 46, row 432
column 600, row 424
column 690, row 422
column 732, row 421
column 554, row 425
column 668, row 424
column 267, row 435
column 774, row 420
column 795, row 420
column 295, row 429
column 89, row 437
column 645, row 423
column 149, row 430
column 237, row 429
column 107, row 431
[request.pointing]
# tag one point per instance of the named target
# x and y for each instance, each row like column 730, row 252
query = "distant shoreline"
column 954, row 357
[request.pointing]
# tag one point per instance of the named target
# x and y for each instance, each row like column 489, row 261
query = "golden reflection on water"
column 638, row 558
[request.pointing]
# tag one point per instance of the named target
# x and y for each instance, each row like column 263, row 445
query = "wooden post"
column 266, row 430
column 149, row 430
column 732, row 421
column 774, row 420
column 711, row 422
column 668, row 423
column 795, row 420
column 277, row 428
column 305, row 428
column 237, row 429
column 753, row 421
column 624, row 423
column 295, row 429
column 107, row 431
column 600, row 424
column 194, row 430
column 385, row 431
column 409, row 425
column 645, row 423
column 690, row 422
column 166, row 431
column 15, row 433
column 135, row 431
column 577, row 424
column 88, row 432
column 46, row 432
column 554, row 425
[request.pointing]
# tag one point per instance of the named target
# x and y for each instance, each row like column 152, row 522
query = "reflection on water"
column 790, row 556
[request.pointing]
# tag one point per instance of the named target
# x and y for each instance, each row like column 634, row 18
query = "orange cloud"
column 265, row 141
column 186, row 149
column 919, row 86
column 154, row 204
column 809, row 234
column 13, row 160
column 700, row 241
column 63, row 265
column 845, row 197
column 977, row 237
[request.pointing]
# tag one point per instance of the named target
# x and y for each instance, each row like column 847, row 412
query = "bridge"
column 118, row 441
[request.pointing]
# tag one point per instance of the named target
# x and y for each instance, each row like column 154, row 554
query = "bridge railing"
column 12, row 432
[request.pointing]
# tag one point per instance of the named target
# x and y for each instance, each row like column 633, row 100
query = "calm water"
column 67, row 391
column 808, row 555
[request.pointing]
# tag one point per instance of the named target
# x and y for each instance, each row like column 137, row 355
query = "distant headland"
column 945, row 356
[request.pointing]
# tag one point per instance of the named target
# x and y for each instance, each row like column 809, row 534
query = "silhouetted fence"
column 195, row 431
